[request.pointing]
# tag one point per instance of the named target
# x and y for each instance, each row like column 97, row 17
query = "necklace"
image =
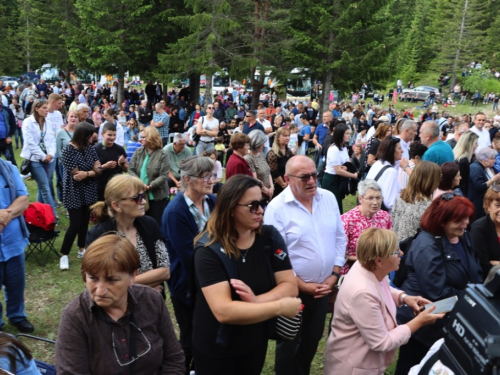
column 244, row 256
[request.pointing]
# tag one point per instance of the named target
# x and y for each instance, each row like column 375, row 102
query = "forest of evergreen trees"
column 345, row 42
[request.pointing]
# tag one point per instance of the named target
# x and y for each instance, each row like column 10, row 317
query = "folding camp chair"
column 43, row 367
column 41, row 244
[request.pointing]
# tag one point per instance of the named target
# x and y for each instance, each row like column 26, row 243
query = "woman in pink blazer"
column 365, row 334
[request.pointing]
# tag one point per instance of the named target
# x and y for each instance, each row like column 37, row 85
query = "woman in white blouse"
column 336, row 156
column 384, row 171
column 40, row 148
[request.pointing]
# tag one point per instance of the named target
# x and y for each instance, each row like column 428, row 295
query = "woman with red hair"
column 441, row 262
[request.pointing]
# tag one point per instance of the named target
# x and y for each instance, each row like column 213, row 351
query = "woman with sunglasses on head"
column 441, row 262
column 80, row 167
column 150, row 163
column 383, row 170
column 183, row 219
column 230, row 314
column 123, row 212
column 337, row 156
column 116, row 326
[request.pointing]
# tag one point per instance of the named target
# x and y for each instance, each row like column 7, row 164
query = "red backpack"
column 40, row 215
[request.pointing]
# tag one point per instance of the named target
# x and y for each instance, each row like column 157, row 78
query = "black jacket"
column 147, row 227
column 477, row 188
column 485, row 242
column 435, row 275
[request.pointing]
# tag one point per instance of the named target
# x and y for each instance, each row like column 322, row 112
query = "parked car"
column 9, row 81
column 423, row 92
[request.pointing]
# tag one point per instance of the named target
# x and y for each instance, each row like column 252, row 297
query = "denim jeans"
column 12, row 278
column 18, row 135
column 204, row 146
column 41, row 172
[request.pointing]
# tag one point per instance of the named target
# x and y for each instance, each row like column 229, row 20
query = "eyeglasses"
column 206, row 178
column 305, row 178
column 396, row 253
column 133, row 358
column 138, row 198
column 449, row 196
column 254, row 205
column 371, row 199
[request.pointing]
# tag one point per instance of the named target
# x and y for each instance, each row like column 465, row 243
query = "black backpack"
column 402, row 273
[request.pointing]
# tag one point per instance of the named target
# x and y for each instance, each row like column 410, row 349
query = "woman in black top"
column 80, row 167
column 229, row 325
column 277, row 158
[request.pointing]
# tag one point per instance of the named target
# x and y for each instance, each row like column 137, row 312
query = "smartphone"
column 443, row 306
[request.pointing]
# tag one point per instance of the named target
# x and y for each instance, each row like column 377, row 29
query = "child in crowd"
column 293, row 144
column 132, row 145
column 133, row 115
column 96, row 116
column 220, row 148
column 113, row 158
column 122, row 118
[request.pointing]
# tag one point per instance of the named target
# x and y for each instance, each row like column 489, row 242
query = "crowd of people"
column 268, row 242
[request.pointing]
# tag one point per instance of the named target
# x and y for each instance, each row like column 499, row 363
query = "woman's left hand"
column 244, row 291
column 416, row 302
column 80, row 175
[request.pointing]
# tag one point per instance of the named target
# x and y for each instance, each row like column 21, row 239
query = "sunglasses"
column 305, row 178
column 449, row 196
column 210, row 107
column 496, row 188
column 254, row 205
column 138, row 198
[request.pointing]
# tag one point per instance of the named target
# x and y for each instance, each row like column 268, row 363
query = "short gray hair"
column 257, row 139
column 195, row 166
column 366, row 185
column 433, row 128
column 159, row 105
column 407, row 124
column 178, row 137
column 82, row 106
column 485, row 154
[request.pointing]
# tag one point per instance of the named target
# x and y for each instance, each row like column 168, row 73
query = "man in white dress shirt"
column 478, row 128
column 308, row 218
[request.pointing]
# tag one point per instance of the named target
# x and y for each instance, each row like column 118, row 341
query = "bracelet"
column 402, row 298
column 87, row 174
column 336, row 274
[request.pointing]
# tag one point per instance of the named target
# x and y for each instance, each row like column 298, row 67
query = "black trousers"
column 7, row 150
column 295, row 357
column 410, row 355
column 156, row 209
column 248, row 364
column 184, row 316
column 78, row 225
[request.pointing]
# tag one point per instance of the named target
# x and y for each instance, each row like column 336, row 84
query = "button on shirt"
column 163, row 117
column 11, row 241
column 316, row 242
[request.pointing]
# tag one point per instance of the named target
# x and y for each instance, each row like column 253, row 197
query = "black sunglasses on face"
column 305, row 178
column 254, row 205
column 138, row 198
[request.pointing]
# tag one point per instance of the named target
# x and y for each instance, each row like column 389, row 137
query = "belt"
column 206, row 142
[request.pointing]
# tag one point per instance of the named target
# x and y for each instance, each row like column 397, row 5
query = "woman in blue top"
column 15, row 357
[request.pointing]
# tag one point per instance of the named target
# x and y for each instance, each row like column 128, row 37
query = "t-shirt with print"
column 108, row 154
column 256, row 274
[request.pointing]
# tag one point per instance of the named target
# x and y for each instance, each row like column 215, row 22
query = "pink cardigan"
column 365, row 335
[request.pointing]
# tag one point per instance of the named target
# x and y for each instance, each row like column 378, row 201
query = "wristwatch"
column 336, row 274
column 402, row 298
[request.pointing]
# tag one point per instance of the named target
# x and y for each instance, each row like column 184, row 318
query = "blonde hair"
column 276, row 146
column 375, row 243
column 465, row 146
column 424, row 179
column 116, row 189
column 153, row 137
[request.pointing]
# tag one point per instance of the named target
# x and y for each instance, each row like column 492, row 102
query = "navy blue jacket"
column 477, row 188
column 10, row 120
column 180, row 229
column 257, row 126
column 485, row 242
column 435, row 276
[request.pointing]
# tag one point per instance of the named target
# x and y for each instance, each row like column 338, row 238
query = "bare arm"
column 343, row 173
column 154, row 277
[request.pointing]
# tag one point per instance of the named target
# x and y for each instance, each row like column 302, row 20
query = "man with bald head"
column 438, row 152
column 308, row 218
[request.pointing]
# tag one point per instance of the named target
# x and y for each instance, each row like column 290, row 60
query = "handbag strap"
column 382, row 171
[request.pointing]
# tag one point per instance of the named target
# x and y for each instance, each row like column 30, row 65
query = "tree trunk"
column 194, row 87
column 121, row 81
column 208, row 92
column 325, row 97
column 459, row 47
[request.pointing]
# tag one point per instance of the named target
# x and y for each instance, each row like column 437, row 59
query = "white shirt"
column 316, row 242
column 120, row 134
column 389, row 184
column 371, row 132
column 208, row 125
column 266, row 124
column 55, row 121
column 32, row 134
column 402, row 175
column 484, row 137
column 334, row 156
